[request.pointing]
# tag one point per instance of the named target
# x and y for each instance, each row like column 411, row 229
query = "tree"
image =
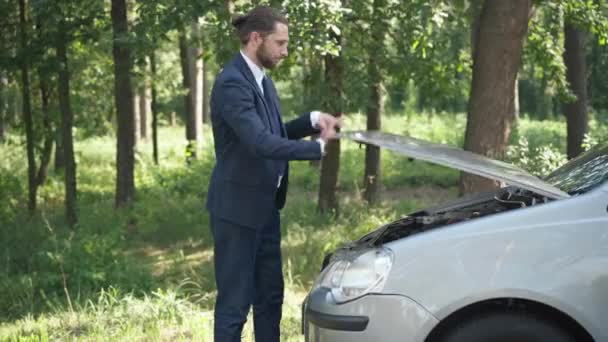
column 49, row 134
column 195, row 68
column 44, row 80
column 576, row 111
column 154, row 107
column 321, row 41
column 123, row 97
column 27, row 106
column 3, row 106
column 144, row 105
column 375, row 72
column 206, row 92
column 67, row 118
column 502, row 28
column 189, row 97
column 9, row 64
column 333, row 102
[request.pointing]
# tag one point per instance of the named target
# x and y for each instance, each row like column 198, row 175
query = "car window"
column 583, row 173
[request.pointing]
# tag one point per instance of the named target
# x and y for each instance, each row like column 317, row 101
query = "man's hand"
column 328, row 124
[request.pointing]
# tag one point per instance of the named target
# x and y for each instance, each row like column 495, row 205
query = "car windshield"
column 583, row 173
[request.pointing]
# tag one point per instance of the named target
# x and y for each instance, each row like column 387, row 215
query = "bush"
column 539, row 161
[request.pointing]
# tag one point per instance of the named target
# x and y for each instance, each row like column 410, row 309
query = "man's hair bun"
column 239, row 21
column 261, row 19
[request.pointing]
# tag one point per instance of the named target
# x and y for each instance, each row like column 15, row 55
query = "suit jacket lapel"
column 275, row 102
column 240, row 63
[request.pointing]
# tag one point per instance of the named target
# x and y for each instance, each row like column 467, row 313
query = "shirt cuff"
column 314, row 118
column 322, row 145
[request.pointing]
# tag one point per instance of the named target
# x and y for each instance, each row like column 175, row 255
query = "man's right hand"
column 328, row 124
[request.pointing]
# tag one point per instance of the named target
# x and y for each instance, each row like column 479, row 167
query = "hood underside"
column 456, row 158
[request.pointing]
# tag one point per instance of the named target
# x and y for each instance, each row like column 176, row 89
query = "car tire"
column 506, row 327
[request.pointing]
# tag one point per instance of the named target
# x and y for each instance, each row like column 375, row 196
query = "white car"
column 528, row 262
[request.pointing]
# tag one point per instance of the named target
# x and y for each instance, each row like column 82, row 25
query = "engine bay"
column 461, row 210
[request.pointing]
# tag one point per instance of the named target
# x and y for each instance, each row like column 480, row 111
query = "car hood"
column 456, row 158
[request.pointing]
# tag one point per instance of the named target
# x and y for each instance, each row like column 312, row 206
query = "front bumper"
column 375, row 317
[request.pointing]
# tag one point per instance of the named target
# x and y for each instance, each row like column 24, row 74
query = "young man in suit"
column 249, row 181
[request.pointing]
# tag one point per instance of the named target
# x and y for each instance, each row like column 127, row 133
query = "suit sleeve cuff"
column 322, row 145
column 314, row 118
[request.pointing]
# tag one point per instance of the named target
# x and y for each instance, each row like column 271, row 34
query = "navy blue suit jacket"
column 249, row 156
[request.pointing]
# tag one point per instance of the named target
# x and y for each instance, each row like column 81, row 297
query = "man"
column 249, row 181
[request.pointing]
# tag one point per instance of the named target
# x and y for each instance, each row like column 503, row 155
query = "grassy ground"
column 145, row 272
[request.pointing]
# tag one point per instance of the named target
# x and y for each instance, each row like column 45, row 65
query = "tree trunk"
column 154, row 108
column 195, row 68
column 205, row 89
column 576, row 74
column 502, row 28
column 59, row 152
column 378, row 28
column 144, row 110
column 27, row 110
column 3, row 107
column 123, row 95
column 312, row 81
column 330, row 164
column 49, row 134
column 475, row 8
column 188, row 110
column 66, row 126
column 516, row 100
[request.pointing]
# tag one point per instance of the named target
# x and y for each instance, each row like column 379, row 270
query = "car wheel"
column 506, row 327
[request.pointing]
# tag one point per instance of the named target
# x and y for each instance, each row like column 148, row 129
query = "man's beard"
column 264, row 58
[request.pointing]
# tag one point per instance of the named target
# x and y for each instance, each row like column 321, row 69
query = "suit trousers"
column 248, row 273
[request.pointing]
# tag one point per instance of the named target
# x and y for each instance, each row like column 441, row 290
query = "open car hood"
column 456, row 158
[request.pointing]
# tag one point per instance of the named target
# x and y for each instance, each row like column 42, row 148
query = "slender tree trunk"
column 576, row 74
column 312, row 83
column 125, row 162
column 144, row 110
column 189, row 112
column 516, row 100
column 66, row 126
column 59, row 152
column 330, row 165
column 205, row 89
column 13, row 117
column 27, row 110
column 195, row 67
column 3, row 107
column 154, row 108
column 49, row 134
column 502, row 28
column 371, row 179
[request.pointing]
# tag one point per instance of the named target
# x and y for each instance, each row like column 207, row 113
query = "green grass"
column 145, row 272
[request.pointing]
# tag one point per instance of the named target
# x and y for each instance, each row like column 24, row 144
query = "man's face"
column 273, row 47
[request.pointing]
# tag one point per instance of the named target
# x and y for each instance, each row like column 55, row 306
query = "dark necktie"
column 275, row 122
column 270, row 102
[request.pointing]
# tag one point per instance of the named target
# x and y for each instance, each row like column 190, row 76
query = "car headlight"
column 350, row 276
